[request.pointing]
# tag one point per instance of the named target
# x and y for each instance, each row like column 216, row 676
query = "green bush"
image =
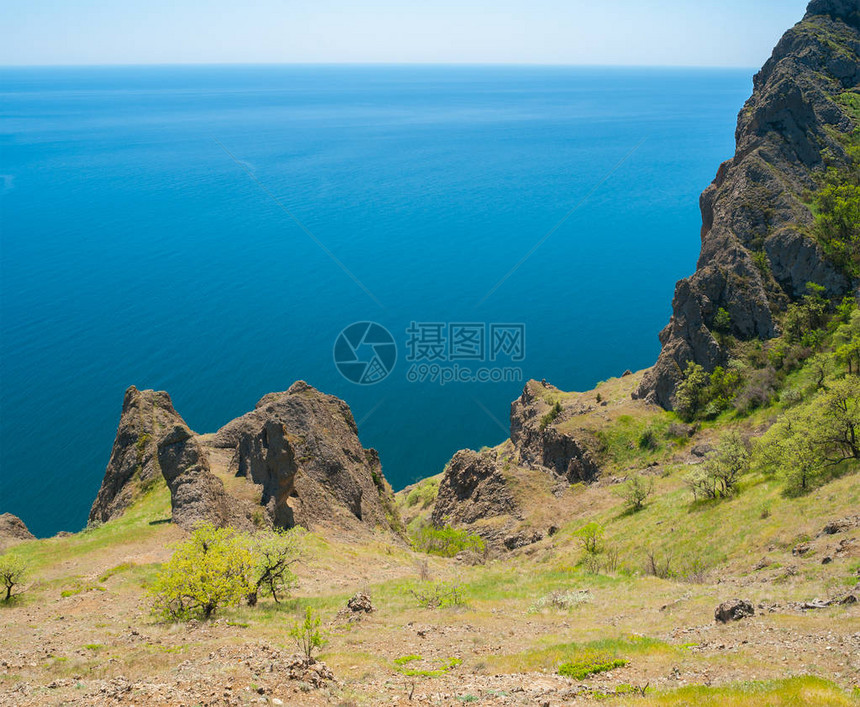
column 551, row 416
column 274, row 553
column 446, row 541
column 592, row 665
column 808, row 440
column 210, row 570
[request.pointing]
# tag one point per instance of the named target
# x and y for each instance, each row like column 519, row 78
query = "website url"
column 454, row 373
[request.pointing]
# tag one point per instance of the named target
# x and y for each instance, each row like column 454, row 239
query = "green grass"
column 587, row 666
column 802, row 691
column 582, row 657
column 141, row 520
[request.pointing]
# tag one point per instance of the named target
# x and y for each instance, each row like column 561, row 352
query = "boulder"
column 360, row 604
column 13, row 531
column 733, row 610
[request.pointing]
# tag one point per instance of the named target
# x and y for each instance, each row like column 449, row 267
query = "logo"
column 365, row 353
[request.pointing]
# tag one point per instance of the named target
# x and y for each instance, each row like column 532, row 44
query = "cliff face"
column 302, row 448
column 757, row 252
column 297, row 457
column 154, row 443
column 133, row 464
column 13, row 531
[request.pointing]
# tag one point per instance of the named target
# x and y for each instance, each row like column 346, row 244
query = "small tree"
column 591, row 537
column 209, row 570
column 690, row 395
column 308, row 635
column 808, row 439
column 275, row 553
column 13, row 574
column 719, row 474
column 635, row 491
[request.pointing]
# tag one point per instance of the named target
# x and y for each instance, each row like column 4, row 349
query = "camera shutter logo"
column 365, row 353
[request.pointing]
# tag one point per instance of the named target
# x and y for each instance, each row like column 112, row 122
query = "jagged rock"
column 301, row 446
column 733, row 610
column 153, row 443
column 570, row 454
column 757, row 202
column 196, row 495
column 13, row 531
column 473, row 488
column 312, row 672
column 133, row 464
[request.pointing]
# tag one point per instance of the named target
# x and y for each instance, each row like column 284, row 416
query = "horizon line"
column 358, row 64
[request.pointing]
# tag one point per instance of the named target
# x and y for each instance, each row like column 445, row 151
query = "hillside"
column 684, row 535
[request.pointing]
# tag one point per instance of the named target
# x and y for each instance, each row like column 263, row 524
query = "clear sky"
column 631, row 32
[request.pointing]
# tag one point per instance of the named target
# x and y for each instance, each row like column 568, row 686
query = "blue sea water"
column 135, row 250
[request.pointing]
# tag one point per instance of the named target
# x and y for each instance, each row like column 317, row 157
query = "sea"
column 417, row 240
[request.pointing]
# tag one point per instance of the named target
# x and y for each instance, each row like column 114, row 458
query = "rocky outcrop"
column 538, row 440
column 13, row 531
column 473, row 488
column 757, row 254
column 133, row 465
column 196, row 494
column 301, row 446
column 154, row 443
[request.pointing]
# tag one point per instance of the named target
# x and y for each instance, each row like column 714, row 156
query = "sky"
column 603, row 32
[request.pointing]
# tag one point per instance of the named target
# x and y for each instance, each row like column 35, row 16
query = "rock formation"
column 757, row 253
column 196, row 494
column 133, row 465
column 474, row 487
column 301, row 446
column 570, row 453
column 13, row 531
column 153, row 443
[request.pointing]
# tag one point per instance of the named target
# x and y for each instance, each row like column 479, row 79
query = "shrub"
column 591, row 665
column 722, row 321
column 635, row 491
column 591, row 537
column 690, row 395
column 307, row 635
column 718, row 475
column 562, row 600
column 211, row 569
column 812, row 437
column 551, row 416
column 13, row 574
column 438, row 595
column 447, row 541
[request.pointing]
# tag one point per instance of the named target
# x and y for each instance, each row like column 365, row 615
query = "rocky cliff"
column 296, row 460
column 13, row 531
column 513, row 495
column 301, row 446
column 152, row 444
column 133, row 465
column 758, row 251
